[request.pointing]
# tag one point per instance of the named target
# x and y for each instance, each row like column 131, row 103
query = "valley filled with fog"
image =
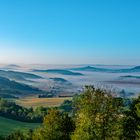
column 71, row 79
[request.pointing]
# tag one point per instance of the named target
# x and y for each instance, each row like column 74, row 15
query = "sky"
column 70, row 31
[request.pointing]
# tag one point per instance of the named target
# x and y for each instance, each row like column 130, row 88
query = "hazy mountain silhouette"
column 95, row 69
column 18, row 75
column 59, row 71
column 61, row 81
column 130, row 76
column 10, row 87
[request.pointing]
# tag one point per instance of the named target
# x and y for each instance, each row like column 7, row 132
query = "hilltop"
column 59, row 71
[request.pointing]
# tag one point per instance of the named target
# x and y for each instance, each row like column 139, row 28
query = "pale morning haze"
column 70, row 32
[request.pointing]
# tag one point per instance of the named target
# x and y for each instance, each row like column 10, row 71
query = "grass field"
column 45, row 102
column 8, row 126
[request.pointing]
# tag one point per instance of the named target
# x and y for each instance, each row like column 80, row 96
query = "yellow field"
column 45, row 102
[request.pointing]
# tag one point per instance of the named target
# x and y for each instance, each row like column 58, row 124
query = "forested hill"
column 10, row 87
column 16, row 75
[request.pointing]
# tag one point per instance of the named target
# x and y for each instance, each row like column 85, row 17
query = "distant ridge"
column 13, row 65
column 61, row 81
column 59, row 71
column 136, row 68
column 10, row 67
column 89, row 68
column 95, row 69
column 130, row 76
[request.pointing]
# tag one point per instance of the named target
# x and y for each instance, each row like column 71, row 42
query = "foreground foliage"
column 94, row 115
column 98, row 116
column 13, row 111
column 131, row 121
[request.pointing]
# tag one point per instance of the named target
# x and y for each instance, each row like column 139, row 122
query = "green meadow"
column 7, row 126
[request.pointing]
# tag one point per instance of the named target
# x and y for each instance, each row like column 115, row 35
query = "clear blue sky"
column 70, row 31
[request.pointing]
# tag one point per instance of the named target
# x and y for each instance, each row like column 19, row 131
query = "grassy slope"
column 8, row 126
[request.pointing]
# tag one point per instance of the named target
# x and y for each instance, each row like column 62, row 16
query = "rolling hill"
column 95, row 69
column 12, row 88
column 11, row 66
column 15, row 75
column 59, row 71
column 8, row 126
column 61, row 81
column 89, row 68
column 130, row 76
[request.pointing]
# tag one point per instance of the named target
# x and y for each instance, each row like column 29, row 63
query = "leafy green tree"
column 19, row 135
column 66, row 106
column 11, row 110
column 56, row 126
column 98, row 116
column 67, row 126
column 2, row 138
column 131, row 125
column 138, row 115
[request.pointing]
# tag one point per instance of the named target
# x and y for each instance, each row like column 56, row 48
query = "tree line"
column 13, row 111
